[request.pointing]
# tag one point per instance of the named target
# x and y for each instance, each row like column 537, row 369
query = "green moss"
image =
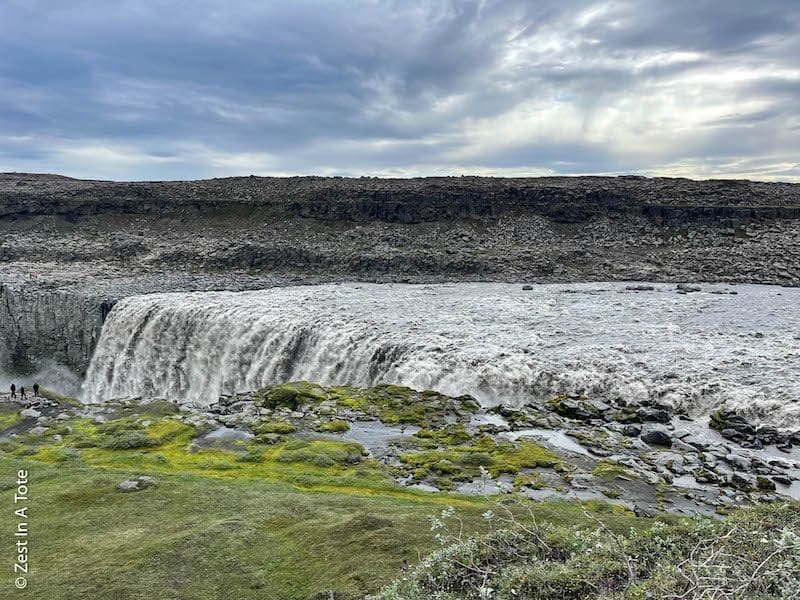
column 608, row 470
column 573, row 408
column 321, row 453
column 9, row 418
column 290, row 395
column 529, row 480
column 279, row 427
column 397, row 405
column 449, row 435
column 59, row 399
column 55, row 454
column 335, row 426
column 464, row 462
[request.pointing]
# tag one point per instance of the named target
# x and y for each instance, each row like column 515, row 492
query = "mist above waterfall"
column 50, row 375
column 494, row 341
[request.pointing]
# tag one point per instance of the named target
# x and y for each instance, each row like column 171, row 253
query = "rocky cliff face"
column 70, row 248
column 562, row 199
column 36, row 324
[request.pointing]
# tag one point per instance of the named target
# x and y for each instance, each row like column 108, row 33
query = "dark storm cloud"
column 156, row 88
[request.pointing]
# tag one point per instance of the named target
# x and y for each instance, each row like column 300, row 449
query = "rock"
column 38, row 431
column 527, row 288
column 129, row 485
column 687, row 289
column 743, row 482
column 782, row 479
column 653, row 415
column 30, row 413
column 57, row 438
column 768, row 434
column 696, row 442
column 640, row 288
column 574, row 407
column 631, row 430
column 99, row 420
column 137, row 484
column 657, row 437
column 740, row 462
column 682, row 446
column 765, row 484
column 706, row 476
column 725, row 420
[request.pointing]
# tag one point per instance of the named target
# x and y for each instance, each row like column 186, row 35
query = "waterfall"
column 494, row 341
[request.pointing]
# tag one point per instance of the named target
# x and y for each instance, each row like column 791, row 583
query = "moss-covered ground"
column 279, row 519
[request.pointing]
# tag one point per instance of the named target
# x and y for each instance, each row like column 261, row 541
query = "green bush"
column 754, row 554
column 128, row 440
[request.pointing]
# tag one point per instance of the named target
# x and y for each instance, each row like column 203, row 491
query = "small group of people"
column 22, row 394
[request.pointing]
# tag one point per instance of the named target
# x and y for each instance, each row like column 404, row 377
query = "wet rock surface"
column 435, row 443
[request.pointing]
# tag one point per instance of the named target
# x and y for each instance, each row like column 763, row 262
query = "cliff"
column 70, row 248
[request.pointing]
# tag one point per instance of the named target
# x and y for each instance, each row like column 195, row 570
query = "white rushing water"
column 495, row 341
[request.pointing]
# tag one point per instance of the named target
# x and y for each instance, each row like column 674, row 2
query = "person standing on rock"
column 13, row 391
column 22, row 395
column 35, row 390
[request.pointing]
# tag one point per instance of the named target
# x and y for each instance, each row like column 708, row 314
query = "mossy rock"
column 335, row 426
column 609, row 470
column 322, row 453
column 63, row 401
column 290, row 395
column 279, row 427
column 574, row 408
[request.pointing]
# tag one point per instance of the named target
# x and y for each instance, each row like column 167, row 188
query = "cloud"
column 147, row 89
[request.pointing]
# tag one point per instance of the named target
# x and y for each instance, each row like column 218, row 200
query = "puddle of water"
column 555, row 437
column 374, row 435
column 227, row 434
column 488, row 419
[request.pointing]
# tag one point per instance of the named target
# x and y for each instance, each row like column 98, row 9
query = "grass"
column 293, row 518
column 9, row 416
column 59, row 399
column 217, row 527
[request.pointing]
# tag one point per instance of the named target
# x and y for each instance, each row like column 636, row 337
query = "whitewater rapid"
column 497, row 342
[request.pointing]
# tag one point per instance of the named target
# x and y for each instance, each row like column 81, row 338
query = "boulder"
column 631, row 430
column 575, row 407
column 137, row 484
column 655, row 415
column 743, row 482
column 765, row 484
column 657, row 437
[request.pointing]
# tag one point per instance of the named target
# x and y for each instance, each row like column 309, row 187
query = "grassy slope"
column 202, row 536
column 283, row 518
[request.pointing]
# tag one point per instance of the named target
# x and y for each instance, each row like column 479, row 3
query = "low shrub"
column 128, row 440
column 755, row 553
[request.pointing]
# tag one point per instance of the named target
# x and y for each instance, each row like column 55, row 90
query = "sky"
column 186, row 89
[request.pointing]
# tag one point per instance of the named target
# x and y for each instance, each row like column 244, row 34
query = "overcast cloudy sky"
column 155, row 89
